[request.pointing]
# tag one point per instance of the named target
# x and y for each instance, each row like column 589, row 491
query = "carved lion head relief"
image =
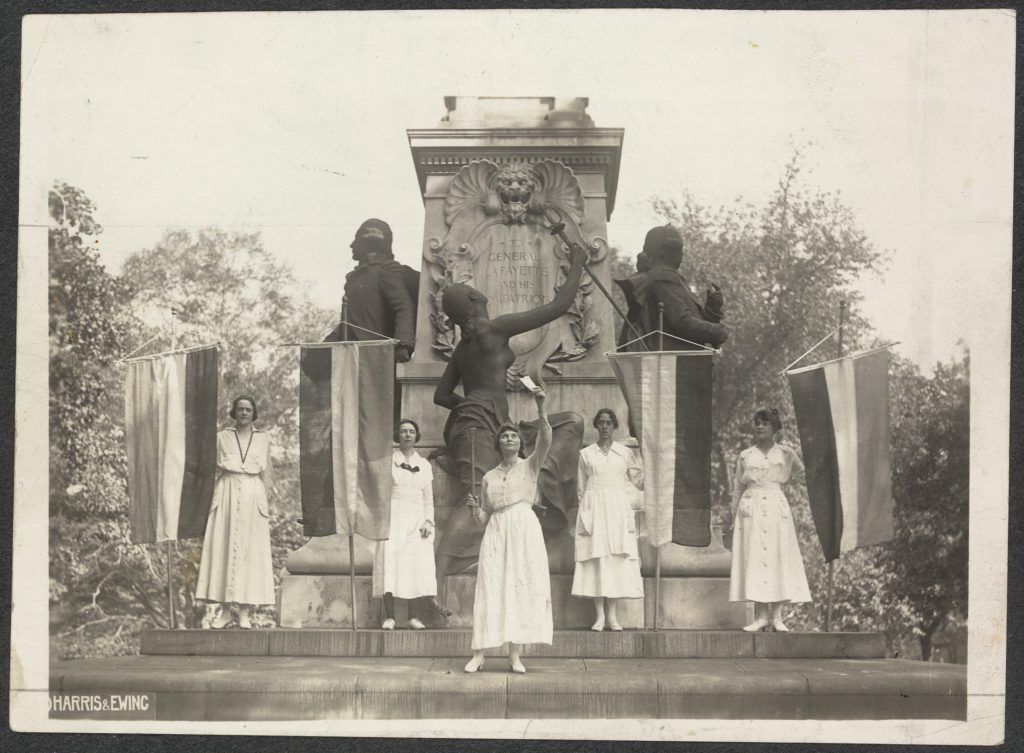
column 515, row 186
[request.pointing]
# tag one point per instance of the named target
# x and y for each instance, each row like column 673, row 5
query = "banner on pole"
column 346, row 402
column 842, row 412
column 171, row 441
column 669, row 398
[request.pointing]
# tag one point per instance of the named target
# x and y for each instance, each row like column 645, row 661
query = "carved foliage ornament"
column 503, row 207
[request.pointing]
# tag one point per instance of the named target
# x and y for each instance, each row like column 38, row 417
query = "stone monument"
column 493, row 174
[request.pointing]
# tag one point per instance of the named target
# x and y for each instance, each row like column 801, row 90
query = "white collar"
column 774, row 453
column 616, row 447
column 398, row 458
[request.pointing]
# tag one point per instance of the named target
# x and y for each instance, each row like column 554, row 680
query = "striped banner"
column 842, row 411
column 346, row 407
column 171, row 440
column 669, row 400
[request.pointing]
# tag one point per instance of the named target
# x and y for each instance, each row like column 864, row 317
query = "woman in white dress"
column 236, row 568
column 767, row 568
column 607, row 560
column 513, row 586
column 403, row 566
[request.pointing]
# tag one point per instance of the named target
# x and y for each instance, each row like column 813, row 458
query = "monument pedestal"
column 322, row 601
column 315, row 590
column 492, row 173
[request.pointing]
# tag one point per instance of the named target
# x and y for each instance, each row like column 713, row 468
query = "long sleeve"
column 711, row 315
column 737, row 486
column 585, row 511
column 581, row 479
column 397, row 295
column 540, row 452
column 635, row 470
column 682, row 313
column 485, row 500
column 428, row 499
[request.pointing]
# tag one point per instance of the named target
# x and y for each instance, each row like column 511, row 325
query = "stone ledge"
column 569, row 644
column 698, row 643
column 327, row 642
column 262, row 688
column 328, row 555
column 206, row 642
column 814, row 645
column 697, row 603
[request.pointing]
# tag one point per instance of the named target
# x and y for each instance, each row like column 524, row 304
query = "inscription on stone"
column 498, row 241
column 519, row 277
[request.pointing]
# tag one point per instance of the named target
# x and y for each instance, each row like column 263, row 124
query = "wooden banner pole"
column 172, row 613
column 352, row 576
column 657, row 549
column 832, row 563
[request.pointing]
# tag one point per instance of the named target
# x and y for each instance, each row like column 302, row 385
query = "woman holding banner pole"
column 236, row 565
column 767, row 568
column 513, row 587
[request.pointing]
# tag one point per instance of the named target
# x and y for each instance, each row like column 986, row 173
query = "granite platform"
column 451, row 643
column 323, row 601
column 269, row 687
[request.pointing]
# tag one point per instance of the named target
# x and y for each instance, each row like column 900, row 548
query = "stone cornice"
column 613, row 135
column 442, row 151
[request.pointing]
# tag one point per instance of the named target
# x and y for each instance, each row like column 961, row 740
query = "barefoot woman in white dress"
column 513, row 586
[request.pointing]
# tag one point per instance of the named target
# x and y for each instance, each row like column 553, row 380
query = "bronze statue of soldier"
column 380, row 296
column 480, row 362
column 381, row 293
column 687, row 323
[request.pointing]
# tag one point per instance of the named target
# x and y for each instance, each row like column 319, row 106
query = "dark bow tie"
column 410, row 468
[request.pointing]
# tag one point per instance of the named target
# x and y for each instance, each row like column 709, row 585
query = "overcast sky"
column 295, row 124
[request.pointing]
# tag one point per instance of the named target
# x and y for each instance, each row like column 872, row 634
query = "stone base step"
column 685, row 603
column 277, row 688
column 629, row 644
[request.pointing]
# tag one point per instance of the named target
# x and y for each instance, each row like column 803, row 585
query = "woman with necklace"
column 767, row 568
column 236, row 565
column 607, row 560
column 513, row 587
column 403, row 566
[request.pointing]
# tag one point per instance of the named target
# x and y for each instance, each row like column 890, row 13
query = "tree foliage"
column 931, row 477
column 226, row 287
column 101, row 587
column 785, row 268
